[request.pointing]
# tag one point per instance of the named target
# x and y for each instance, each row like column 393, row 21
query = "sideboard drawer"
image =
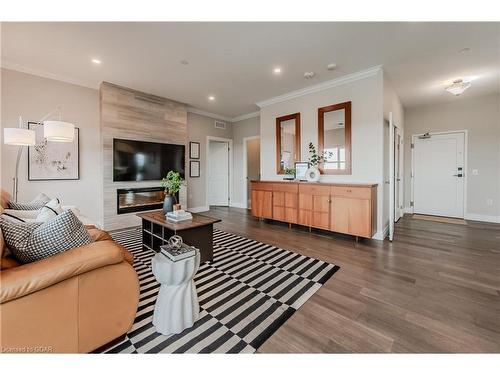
column 351, row 192
column 312, row 189
column 266, row 186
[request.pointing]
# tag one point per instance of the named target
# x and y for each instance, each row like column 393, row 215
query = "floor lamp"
column 53, row 131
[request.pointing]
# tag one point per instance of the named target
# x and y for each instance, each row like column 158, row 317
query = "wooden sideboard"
column 344, row 208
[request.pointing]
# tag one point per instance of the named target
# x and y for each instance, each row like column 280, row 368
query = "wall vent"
column 220, row 124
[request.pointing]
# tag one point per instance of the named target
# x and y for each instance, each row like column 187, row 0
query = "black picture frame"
column 31, row 126
column 194, row 150
column 194, row 168
column 300, row 170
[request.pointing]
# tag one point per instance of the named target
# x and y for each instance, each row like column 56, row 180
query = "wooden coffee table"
column 198, row 232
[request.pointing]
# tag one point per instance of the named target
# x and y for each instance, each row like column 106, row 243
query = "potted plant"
column 289, row 173
column 172, row 185
column 313, row 173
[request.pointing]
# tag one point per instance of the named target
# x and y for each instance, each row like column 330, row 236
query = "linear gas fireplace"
column 139, row 199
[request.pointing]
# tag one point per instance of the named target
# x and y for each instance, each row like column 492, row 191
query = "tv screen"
column 142, row 161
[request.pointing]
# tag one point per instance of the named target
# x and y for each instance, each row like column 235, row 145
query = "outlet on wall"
column 489, row 202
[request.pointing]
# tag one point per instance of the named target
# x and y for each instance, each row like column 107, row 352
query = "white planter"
column 312, row 174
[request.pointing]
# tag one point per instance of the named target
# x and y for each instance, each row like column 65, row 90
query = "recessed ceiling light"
column 96, row 61
column 184, row 62
column 211, row 98
column 464, row 50
column 458, row 87
column 331, row 66
column 277, row 70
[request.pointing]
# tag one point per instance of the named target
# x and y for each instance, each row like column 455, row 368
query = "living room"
column 301, row 193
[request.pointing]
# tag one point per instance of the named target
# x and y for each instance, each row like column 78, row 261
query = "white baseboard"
column 238, row 205
column 381, row 234
column 198, row 209
column 479, row 217
column 408, row 210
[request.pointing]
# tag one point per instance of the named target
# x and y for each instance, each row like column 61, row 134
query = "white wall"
column 366, row 95
column 198, row 128
column 241, row 129
column 481, row 117
column 32, row 97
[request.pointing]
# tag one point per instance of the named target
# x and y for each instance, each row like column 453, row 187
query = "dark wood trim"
column 346, row 106
column 279, row 120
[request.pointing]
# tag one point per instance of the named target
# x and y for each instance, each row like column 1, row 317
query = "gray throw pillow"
column 30, row 242
column 37, row 203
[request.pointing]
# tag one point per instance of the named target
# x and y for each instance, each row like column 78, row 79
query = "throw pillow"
column 49, row 211
column 30, row 242
column 37, row 203
column 11, row 217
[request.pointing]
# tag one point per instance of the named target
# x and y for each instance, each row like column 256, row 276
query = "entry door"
column 218, row 173
column 397, row 175
column 438, row 174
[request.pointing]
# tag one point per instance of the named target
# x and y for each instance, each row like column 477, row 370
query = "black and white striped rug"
column 247, row 292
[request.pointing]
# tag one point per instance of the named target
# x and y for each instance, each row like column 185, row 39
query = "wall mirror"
column 334, row 138
column 287, row 141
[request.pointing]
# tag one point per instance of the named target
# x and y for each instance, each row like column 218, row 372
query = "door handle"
column 458, row 175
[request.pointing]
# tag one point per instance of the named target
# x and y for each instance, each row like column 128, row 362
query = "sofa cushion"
column 49, row 211
column 30, row 242
column 37, row 203
column 8, row 262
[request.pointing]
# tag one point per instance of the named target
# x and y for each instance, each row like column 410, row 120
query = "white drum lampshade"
column 58, row 131
column 18, row 137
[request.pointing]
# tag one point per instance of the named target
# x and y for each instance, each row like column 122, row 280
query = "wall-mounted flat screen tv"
column 143, row 161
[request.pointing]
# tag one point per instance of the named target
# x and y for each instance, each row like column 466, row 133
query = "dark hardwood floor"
column 436, row 288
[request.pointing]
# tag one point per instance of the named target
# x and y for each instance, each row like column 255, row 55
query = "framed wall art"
column 53, row 160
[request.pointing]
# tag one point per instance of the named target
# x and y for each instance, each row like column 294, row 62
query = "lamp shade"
column 58, row 131
column 18, row 137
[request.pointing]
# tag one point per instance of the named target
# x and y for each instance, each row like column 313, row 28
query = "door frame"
column 466, row 171
column 229, row 141
column 245, row 169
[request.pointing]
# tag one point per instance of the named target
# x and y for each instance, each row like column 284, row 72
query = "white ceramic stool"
column 177, row 306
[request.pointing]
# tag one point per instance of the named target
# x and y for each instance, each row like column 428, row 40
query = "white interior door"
column 218, row 173
column 398, row 184
column 438, row 174
column 391, row 178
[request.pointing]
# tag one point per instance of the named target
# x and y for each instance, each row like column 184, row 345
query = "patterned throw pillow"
column 30, row 242
column 37, row 203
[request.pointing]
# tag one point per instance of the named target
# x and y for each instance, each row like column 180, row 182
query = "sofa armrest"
column 29, row 278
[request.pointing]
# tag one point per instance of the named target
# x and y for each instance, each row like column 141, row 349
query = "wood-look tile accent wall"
column 131, row 114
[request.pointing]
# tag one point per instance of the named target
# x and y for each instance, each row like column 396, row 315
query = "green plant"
column 314, row 158
column 289, row 170
column 172, row 183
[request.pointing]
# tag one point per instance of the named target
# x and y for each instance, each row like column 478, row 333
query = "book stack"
column 178, row 253
column 179, row 215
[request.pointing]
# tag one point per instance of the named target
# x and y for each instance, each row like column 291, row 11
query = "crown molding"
column 245, row 116
column 207, row 114
column 40, row 73
column 321, row 86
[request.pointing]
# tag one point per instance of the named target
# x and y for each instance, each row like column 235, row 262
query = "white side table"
column 177, row 306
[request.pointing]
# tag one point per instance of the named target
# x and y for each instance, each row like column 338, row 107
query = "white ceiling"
column 235, row 61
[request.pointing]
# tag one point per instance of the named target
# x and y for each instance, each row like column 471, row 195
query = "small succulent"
column 289, row 171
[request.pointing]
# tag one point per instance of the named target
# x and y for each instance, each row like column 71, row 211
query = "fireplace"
column 139, row 199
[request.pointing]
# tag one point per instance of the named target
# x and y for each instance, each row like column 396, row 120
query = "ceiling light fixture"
column 277, row 70
column 331, row 66
column 458, row 87
column 96, row 61
column 211, row 98
column 464, row 50
column 184, row 62
column 309, row 75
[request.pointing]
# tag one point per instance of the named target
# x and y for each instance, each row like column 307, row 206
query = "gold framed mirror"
column 287, row 142
column 334, row 138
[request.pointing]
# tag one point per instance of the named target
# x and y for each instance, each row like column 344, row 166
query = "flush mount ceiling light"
column 458, row 87
column 331, row 66
column 309, row 75
column 277, row 70
column 211, row 98
column 96, row 61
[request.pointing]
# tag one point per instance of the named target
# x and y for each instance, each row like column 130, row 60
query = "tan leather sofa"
column 73, row 302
